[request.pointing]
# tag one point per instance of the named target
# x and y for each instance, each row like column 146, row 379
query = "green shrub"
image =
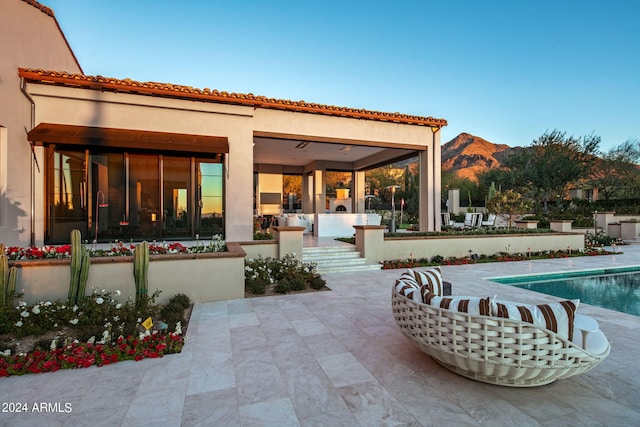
column 257, row 286
column 281, row 275
column 282, row 287
column 182, row 300
column 317, row 282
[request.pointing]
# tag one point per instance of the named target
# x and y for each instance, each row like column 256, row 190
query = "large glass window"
column 292, row 193
column 67, row 193
column 144, row 196
column 109, row 196
column 132, row 196
column 176, row 196
column 209, row 198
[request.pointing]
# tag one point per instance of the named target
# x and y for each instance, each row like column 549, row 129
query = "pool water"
column 614, row 289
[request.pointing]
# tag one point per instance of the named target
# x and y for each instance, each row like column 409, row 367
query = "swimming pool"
column 614, row 288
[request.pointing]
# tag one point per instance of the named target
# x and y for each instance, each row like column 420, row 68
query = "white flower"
column 24, row 314
column 7, row 352
column 107, row 325
column 47, row 304
column 116, row 318
column 35, row 309
column 19, row 323
column 91, row 340
column 75, row 308
column 117, row 292
column 55, row 325
column 54, row 344
column 139, row 320
column 99, row 300
column 178, row 330
column 118, row 306
column 73, row 321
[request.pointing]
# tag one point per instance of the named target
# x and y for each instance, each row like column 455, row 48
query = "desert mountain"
column 467, row 155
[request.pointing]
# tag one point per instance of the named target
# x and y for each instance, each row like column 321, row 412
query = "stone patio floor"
column 336, row 358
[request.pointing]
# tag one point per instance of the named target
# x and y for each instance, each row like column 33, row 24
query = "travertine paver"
column 336, row 358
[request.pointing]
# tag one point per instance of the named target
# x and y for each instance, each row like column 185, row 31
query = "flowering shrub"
column 118, row 248
column 501, row 257
column 599, row 239
column 83, row 355
column 281, row 275
column 98, row 330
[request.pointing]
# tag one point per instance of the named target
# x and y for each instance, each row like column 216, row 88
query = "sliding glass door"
column 133, row 196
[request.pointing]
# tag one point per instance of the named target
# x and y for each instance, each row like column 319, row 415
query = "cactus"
column 80, row 262
column 140, row 272
column 8, row 279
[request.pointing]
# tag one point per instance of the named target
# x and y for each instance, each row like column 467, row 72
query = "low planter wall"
column 202, row 277
column 459, row 246
column 260, row 248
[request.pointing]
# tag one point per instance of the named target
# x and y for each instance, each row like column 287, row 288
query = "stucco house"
column 121, row 159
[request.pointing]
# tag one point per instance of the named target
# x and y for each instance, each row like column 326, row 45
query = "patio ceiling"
column 301, row 152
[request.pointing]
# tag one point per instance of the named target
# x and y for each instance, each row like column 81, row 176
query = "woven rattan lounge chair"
column 493, row 349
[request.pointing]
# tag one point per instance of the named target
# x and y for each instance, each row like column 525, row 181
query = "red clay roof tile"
column 42, row 7
column 209, row 95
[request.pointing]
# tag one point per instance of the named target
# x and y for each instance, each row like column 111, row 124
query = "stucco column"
column 357, row 198
column 289, row 240
column 319, row 191
column 435, row 185
column 429, row 164
column 370, row 242
column 238, row 191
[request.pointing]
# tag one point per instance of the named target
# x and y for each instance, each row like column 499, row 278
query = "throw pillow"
column 557, row 317
column 430, row 277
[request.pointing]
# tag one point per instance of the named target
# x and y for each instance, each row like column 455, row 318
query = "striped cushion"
column 473, row 305
column 557, row 317
column 430, row 277
column 408, row 286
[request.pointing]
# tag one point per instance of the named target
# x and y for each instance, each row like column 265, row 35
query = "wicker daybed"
column 492, row 349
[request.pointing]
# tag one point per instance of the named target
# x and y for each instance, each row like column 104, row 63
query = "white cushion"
column 597, row 342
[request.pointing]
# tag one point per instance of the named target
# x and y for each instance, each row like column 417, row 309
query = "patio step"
column 337, row 259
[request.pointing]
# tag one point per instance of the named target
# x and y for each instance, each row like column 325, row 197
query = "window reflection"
column 67, row 194
column 209, row 199
column 108, row 175
column 144, row 200
column 176, row 187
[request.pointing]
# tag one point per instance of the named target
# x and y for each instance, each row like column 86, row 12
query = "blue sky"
column 506, row 71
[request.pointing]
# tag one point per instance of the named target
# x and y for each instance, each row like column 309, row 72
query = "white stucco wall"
column 28, row 38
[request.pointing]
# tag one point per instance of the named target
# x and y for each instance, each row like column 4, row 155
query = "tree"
column 449, row 180
column 552, row 163
column 618, row 169
column 509, row 203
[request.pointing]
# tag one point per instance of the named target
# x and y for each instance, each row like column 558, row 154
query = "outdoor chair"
column 471, row 219
column 446, row 219
column 490, row 222
column 472, row 337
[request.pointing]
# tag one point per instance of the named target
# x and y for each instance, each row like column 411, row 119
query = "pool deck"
column 336, row 358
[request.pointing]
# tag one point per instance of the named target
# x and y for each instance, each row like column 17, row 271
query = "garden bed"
column 501, row 257
column 99, row 330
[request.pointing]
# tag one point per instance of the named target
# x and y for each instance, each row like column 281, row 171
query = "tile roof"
column 209, row 95
column 42, row 7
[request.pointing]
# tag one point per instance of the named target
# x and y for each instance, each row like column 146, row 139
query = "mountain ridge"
column 467, row 155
